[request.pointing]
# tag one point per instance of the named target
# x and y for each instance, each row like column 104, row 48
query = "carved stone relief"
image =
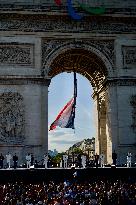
column 106, row 47
column 133, row 104
column 121, row 82
column 11, row 118
column 16, row 54
column 42, row 23
column 129, row 56
column 50, row 46
column 82, row 63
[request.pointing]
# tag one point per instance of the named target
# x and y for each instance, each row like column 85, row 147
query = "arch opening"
column 94, row 69
column 84, row 120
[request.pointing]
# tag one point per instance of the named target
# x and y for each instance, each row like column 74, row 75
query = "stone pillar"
column 103, row 136
column 97, row 123
column 102, row 139
column 44, row 116
column 119, row 105
column 111, row 97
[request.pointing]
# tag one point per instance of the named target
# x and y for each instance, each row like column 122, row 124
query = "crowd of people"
column 100, row 192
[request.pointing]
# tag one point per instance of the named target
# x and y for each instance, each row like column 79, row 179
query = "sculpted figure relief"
column 11, row 118
column 133, row 104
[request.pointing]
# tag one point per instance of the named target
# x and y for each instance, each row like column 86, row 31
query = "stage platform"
column 58, row 174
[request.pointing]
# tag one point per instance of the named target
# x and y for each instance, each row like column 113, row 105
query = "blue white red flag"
column 65, row 118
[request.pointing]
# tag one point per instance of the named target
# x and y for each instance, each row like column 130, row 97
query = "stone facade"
column 38, row 40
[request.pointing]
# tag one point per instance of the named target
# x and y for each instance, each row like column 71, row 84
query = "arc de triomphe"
column 39, row 40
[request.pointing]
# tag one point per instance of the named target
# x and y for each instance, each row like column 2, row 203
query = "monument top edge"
column 75, row 3
column 49, row 7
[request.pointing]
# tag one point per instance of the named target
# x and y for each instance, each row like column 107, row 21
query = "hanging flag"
column 65, row 117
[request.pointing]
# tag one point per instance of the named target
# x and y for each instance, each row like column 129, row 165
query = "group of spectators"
column 100, row 191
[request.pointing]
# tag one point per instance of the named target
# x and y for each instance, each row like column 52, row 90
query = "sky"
column 60, row 92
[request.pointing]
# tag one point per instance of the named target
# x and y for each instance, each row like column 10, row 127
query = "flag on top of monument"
column 65, row 118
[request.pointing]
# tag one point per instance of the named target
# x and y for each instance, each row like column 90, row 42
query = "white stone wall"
column 127, row 136
column 14, row 51
column 36, row 120
column 119, row 120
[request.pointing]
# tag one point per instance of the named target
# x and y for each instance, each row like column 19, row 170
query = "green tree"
column 56, row 159
column 77, row 150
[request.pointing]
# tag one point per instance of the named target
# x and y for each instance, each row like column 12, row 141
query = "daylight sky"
column 60, row 92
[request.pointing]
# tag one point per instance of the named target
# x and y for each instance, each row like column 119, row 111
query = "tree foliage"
column 77, row 150
column 56, row 159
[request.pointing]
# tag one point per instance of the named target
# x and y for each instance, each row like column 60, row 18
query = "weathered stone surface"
column 38, row 40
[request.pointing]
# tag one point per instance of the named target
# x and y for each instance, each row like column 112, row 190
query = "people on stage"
column 97, row 160
column 1, row 161
column 8, row 157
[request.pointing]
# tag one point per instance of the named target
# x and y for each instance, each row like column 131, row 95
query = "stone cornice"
column 57, row 23
column 128, row 81
column 19, row 145
column 23, row 80
column 115, row 82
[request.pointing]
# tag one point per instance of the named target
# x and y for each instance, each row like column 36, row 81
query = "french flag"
column 65, row 118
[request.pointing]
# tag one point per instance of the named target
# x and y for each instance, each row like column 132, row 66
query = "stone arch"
column 93, row 64
column 62, row 48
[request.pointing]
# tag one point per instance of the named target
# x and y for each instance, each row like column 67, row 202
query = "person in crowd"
column 8, row 157
column 28, row 160
column 15, row 160
column 1, row 161
column 114, row 158
column 98, row 191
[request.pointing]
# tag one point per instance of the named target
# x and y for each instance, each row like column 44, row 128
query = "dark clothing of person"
column 79, row 161
column 114, row 158
column 1, row 161
column 96, row 159
column 32, row 160
column 36, row 164
column 15, row 159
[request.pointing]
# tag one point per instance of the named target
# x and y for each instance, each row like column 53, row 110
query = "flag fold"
column 65, row 118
